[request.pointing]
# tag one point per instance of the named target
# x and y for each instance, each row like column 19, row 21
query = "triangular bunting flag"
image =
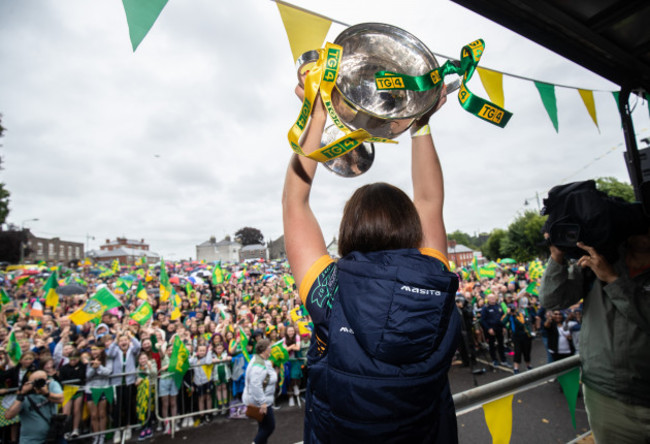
column 306, row 30
column 570, row 383
column 140, row 16
column 493, row 83
column 68, row 392
column 498, row 416
column 207, row 368
column 588, row 99
column 547, row 93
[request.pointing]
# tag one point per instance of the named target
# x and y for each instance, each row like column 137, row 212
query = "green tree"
column 492, row 247
column 4, row 194
column 523, row 241
column 249, row 236
column 462, row 238
column 616, row 188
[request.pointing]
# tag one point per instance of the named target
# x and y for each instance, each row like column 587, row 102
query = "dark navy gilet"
column 392, row 332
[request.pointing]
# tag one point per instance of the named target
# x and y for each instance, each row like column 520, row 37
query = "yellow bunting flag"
column 306, row 30
column 68, row 392
column 498, row 416
column 493, row 83
column 208, row 371
column 588, row 99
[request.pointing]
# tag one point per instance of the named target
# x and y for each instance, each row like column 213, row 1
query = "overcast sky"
column 186, row 138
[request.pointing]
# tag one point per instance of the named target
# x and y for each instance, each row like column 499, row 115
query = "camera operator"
column 615, row 335
column 36, row 404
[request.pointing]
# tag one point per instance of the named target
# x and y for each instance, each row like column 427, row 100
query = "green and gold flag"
column 143, row 313
column 95, row 306
column 179, row 361
column 141, row 292
column 486, row 272
column 143, row 400
column 217, row 274
column 4, row 297
column 49, row 290
column 243, row 340
column 13, row 348
column 279, row 353
column 165, row 286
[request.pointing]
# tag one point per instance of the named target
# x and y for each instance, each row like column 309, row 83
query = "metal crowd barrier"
column 474, row 398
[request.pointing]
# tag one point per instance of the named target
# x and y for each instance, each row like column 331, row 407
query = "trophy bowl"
column 353, row 163
column 372, row 47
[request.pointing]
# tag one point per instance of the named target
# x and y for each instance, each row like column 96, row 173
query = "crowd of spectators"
column 219, row 325
column 110, row 363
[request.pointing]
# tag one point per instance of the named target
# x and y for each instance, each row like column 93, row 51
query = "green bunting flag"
column 547, row 93
column 179, row 362
column 570, row 383
column 140, row 16
column 96, row 394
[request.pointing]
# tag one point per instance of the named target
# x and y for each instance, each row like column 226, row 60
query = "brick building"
column 126, row 251
column 52, row 251
column 459, row 254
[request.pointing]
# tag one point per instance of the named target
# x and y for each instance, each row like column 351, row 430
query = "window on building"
column 69, row 251
column 50, row 249
column 77, row 253
column 61, row 251
column 39, row 248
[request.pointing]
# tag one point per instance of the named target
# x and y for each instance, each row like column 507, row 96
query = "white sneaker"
column 117, row 437
column 127, row 435
column 291, row 401
column 159, row 426
column 296, row 390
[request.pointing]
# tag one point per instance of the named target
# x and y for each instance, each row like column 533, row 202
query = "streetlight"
column 539, row 207
column 22, row 224
column 89, row 237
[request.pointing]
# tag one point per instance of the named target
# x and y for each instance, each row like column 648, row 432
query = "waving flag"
column 95, row 306
column 4, row 297
column 179, row 361
column 141, row 292
column 243, row 340
column 51, row 296
column 165, row 286
column 13, row 348
column 143, row 313
column 217, row 274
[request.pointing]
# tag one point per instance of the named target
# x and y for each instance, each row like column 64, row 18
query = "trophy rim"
column 376, row 27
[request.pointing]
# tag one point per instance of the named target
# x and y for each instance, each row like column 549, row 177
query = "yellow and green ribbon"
column 322, row 78
column 469, row 58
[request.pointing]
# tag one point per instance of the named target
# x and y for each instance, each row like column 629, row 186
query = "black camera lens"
column 39, row 383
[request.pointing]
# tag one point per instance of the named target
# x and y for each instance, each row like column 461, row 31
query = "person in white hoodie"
column 260, row 388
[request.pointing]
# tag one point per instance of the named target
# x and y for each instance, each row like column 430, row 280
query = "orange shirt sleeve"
column 314, row 271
